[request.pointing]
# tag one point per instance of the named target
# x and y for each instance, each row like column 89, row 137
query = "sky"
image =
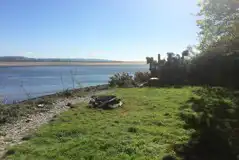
column 105, row 29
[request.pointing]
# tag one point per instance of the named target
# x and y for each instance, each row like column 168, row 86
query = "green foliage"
column 217, row 19
column 218, row 63
column 66, row 93
column 9, row 113
column 215, row 70
column 215, row 118
column 141, row 77
column 126, row 80
column 217, row 66
column 149, row 60
column 121, row 80
column 141, row 129
column 173, row 71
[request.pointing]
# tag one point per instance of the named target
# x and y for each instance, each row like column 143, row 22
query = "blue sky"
column 107, row 29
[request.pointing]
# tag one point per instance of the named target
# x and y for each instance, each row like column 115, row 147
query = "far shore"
column 10, row 64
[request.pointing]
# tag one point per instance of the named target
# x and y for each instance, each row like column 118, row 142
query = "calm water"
column 17, row 83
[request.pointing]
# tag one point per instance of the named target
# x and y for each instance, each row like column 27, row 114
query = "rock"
column 154, row 79
column 69, row 104
column 40, row 105
column 72, row 106
column 26, row 138
column 28, row 120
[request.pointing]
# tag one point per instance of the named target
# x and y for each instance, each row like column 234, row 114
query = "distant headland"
column 25, row 61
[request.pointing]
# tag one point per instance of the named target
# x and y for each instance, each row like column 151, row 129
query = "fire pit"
column 105, row 102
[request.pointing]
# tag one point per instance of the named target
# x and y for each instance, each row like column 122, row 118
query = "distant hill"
column 26, row 59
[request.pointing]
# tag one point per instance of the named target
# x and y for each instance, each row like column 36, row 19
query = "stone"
column 28, row 120
column 40, row 105
column 154, row 81
column 154, row 78
column 27, row 137
column 69, row 104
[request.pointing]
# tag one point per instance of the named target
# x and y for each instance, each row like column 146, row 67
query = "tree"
column 185, row 53
column 149, row 60
column 218, row 18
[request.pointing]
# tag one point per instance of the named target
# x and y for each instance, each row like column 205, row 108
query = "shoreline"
column 43, row 103
column 59, row 94
column 22, row 64
column 71, row 92
column 42, row 111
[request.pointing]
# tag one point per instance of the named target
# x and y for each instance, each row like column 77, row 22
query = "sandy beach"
column 9, row 64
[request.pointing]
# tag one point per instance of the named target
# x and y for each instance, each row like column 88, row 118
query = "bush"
column 141, row 77
column 215, row 121
column 121, row 80
column 67, row 93
column 10, row 113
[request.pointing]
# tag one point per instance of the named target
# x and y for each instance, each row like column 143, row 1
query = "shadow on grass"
column 215, row 119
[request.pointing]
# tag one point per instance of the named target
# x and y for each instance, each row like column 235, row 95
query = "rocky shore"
column 17, row 130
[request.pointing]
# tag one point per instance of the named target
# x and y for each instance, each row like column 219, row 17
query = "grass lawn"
column 147, row 127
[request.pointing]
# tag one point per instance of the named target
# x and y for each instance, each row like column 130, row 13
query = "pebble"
column 68, row 104
column 40, row 105
column 28, row 120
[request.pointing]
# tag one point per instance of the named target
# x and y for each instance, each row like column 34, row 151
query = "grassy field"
column 150, row 125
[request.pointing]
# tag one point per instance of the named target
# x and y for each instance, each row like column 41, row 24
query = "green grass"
column 146, row 127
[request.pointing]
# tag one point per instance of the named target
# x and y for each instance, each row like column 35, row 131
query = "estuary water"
column 20, row 83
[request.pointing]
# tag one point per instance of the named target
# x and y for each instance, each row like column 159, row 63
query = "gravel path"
column 13, row 133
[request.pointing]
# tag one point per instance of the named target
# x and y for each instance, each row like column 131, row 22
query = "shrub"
column 66, row 93
column 121, row 80
column 8, row 113
column 141, row 77
column 215, row 121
